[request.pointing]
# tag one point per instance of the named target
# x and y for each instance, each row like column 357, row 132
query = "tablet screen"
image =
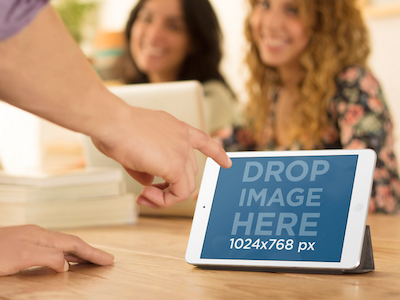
column 281, row 208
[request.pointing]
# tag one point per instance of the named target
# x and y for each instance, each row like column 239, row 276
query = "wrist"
column 108, row 118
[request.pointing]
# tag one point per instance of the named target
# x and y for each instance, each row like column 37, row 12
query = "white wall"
column 232, row 14
column 385, row 63
column 383, row 2
column 114, row 14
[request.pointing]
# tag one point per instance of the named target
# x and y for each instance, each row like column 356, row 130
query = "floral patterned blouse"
column 359, row 119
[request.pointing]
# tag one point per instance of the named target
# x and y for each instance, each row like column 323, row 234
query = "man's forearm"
column 43, row 71
column 66, row 91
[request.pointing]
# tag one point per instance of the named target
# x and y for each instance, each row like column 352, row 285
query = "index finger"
column 205, row 144
column 73, row 244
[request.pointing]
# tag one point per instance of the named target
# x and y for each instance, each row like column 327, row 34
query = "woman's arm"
column 365, row 122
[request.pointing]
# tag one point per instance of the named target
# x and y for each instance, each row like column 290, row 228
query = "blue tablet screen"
column 281, row 208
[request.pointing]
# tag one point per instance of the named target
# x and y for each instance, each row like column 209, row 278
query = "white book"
column 102, row 211
column 24, row 193
column 42, row 179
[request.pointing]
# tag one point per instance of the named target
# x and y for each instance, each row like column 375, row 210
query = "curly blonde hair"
column 338, row 39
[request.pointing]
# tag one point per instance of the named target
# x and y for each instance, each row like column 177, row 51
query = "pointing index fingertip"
column 229, row 161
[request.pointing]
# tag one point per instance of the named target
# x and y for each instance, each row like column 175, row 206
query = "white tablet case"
column 366, row 258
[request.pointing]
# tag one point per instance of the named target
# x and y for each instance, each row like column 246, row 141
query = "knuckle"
column 24, row 255
column 58, row 257
column 202, row 138
column 192, row 187
column 76, row 243
column 185, row 195
column 32, row 227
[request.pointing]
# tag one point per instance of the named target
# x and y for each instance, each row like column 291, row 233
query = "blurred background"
column 97, row 26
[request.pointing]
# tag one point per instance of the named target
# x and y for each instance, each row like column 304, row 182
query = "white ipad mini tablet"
column 292, row 210
column 183, row 100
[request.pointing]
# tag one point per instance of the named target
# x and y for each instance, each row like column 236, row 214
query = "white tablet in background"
column 292, row 210
column 182, row 99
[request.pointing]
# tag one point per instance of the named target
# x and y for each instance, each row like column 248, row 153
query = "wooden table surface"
column 149, row 264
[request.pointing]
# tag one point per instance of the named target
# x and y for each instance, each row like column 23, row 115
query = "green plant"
column 73, row 13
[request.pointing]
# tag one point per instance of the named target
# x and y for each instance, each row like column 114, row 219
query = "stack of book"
column 77, row 198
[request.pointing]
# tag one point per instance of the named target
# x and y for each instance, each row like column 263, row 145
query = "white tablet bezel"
column 355, row 228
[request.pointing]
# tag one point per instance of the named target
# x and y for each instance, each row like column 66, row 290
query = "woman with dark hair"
column 172, row 40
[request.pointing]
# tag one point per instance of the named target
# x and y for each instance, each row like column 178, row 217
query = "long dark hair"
column 205, row 34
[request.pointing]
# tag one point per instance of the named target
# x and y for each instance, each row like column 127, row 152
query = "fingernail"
column 66, row 266
column 229, row 161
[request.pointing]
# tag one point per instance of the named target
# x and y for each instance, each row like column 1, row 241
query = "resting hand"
column 153, row 143
column 30, row 245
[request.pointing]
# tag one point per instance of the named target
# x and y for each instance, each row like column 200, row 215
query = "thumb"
column 44, row 257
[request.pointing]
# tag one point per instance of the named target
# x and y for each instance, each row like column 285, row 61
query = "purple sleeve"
column 16, row 14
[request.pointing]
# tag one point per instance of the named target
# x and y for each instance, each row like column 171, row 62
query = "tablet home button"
column 359, row 207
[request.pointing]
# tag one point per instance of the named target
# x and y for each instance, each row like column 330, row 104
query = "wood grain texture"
column 149, row 264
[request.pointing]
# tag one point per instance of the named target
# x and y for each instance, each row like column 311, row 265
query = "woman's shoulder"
column 360, row 77
column 219, row 103
column 218, row 91
column 352, row 73
column 358, row 93
column 215, row 86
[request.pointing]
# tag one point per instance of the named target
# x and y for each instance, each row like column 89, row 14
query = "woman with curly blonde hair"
column 310, row 88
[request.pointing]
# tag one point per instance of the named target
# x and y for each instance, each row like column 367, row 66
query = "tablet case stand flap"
column 367, row 256
column 366, row 263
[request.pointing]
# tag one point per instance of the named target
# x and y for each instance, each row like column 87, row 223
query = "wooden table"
column 149, row 264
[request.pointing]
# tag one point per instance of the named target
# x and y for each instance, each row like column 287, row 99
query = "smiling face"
column 159, row 39
column 278, row 32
